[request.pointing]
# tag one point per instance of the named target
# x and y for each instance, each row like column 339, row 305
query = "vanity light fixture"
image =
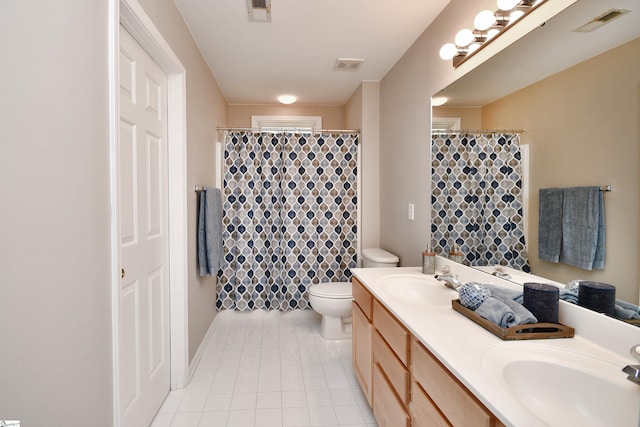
column 487, row 26
column 287, row 99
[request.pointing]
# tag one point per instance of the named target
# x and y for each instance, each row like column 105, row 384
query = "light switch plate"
column 411, row 211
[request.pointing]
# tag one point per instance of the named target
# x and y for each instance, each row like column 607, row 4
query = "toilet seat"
column 331, row 290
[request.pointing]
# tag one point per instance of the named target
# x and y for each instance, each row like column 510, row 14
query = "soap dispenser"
column 429, row 260
column 456, row 254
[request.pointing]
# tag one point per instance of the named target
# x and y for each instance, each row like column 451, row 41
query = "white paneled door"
column 144, row 364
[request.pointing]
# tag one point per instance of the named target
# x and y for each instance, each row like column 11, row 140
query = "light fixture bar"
column 488, row 26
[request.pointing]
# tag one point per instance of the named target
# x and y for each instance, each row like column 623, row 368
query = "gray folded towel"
column 504, row 307
column 505, row 313
column 583, row 230
column 210, row 232
column 569, row 296
column 550, row 224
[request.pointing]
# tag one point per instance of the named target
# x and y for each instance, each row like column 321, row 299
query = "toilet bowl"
column 332, row 300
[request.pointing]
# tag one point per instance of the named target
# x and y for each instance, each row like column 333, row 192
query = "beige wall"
column 206, row 110
column 240, row 114
column 362, row 111
column 582, row 129
column 55, row 286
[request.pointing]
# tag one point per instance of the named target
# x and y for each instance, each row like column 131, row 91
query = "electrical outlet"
column 411, row 211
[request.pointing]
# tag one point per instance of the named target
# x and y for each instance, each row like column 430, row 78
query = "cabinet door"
column 362, row 357
column 423, row 411
column 457, row 404
column 387, row 407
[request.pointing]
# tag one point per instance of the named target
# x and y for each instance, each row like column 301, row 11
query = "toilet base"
column 335, row 328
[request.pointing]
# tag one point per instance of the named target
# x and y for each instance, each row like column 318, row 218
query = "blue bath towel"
column 550, row 224
column 583, row 231
column 210, row 232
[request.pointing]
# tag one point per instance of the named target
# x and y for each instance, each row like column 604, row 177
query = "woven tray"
column 532, row 331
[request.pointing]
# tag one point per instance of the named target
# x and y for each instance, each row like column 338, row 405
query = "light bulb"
column 515, row 15
column 492, row 33
column 464, row 37
column 507, row 4
column 448, row 51
column 473, row 47
column 484, row 20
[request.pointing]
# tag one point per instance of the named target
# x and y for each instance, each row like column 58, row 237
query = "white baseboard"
column 193, row 366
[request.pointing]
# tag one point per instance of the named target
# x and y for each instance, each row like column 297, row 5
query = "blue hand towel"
column 583, row 231
column 550, row 224
column 505, row 313
column 210, row 232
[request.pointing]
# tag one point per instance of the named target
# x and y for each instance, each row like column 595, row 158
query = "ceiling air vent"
column 348, row 64
column 259, row 10
column 601, row 20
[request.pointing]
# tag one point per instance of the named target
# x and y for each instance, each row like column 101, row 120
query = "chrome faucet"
column 449, row 281
column 633, row 371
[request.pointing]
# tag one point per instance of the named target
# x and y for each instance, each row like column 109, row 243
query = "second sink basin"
column 562, row 387
column 414, row 289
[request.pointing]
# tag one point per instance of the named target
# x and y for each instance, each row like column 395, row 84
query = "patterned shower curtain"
column 477, row 198
column 290, row 217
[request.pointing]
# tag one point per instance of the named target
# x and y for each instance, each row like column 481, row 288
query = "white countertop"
column 460, row 343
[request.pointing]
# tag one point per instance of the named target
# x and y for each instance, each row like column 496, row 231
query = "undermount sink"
column 415, row 289
column 562, row 387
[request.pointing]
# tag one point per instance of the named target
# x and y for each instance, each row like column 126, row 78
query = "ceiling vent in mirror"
column 601, row 20
column 259, row 10
column 348, row 64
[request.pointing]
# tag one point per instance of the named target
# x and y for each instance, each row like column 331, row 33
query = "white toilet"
column 332, row 300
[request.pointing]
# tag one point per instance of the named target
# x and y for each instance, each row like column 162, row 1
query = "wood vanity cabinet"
column 361, row 332
column 403, row 382
column 439, row 399
column 391, row 377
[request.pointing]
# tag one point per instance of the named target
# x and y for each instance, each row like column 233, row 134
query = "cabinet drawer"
column 392, row 331
column 362, row 359
column 449, row 395
column 423, row 412
column 396, row 372
column 362, row 297
column 387, row 408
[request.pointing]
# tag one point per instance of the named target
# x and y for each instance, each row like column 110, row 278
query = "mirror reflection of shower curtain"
column 290, row 217
column 476, row 198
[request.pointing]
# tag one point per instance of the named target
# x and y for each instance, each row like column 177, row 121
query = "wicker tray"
column 532, row 331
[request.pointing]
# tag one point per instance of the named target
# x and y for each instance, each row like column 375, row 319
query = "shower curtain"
column 289, row 220
column 476, row 198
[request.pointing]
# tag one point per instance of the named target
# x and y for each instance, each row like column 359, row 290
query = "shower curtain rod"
column 294, row 130
column 479, row 131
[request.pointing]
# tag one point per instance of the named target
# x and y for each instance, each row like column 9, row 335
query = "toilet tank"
column 378, row 258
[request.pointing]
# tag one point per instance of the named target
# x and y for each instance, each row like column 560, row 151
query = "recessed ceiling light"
column 287, row 99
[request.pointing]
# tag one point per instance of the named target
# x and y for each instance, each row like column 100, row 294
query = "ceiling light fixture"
column 287, row 99
column 437, row 101
column 487, row 26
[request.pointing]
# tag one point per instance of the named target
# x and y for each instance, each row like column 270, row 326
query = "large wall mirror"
column 577, row 95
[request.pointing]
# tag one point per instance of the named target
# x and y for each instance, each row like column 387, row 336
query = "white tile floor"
column 270, row 369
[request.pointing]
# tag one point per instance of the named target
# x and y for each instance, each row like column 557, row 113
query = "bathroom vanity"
column 420, row 363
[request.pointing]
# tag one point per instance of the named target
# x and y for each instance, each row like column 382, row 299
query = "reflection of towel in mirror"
column 505, row 313
column 550, row 224
column 210, row 232
column 583, row 230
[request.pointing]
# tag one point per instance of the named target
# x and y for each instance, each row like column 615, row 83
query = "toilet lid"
column 331, row 290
